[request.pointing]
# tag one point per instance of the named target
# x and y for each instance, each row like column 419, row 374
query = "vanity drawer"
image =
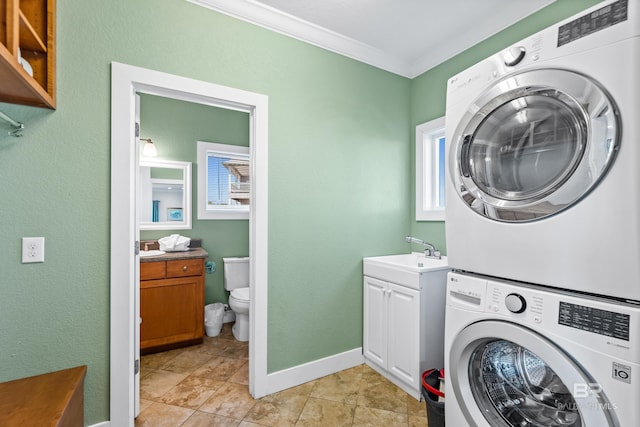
column 186, row 267
column 152, row 270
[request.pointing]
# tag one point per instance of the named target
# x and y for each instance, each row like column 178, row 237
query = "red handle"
column 429, row 387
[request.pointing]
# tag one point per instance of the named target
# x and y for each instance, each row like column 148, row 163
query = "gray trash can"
column 433, row 397
column 213, row 316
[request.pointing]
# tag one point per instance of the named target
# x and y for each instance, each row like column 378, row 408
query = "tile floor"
column 206, row 385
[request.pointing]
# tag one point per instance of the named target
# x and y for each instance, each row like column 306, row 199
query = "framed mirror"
column 165, row 195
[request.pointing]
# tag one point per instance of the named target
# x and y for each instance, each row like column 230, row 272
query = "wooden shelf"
column 29, row 39
column 53, row 399
column 27, row 30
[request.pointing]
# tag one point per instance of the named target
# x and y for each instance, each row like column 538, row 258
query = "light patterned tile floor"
column 206, row 385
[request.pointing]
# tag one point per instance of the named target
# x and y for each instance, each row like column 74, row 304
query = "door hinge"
column 136, row 367
column 137, row 130
column 136, row 247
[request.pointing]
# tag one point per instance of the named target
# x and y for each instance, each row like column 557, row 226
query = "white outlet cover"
column 32, row 249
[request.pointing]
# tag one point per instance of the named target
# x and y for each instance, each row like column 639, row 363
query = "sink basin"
column 415, row 261
column 403, row 269
column 153, row 252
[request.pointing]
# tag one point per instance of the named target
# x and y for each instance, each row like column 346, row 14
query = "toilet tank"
column 236, row 273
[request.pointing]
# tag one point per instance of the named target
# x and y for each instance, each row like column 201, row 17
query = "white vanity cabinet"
column 391, row 330
column 404, row 322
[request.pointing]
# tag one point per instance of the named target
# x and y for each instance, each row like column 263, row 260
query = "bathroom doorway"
column 127, row 81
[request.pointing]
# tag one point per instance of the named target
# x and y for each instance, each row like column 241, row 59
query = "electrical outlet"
column 32, row 249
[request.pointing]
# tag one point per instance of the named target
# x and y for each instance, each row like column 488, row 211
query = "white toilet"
column 236, row 280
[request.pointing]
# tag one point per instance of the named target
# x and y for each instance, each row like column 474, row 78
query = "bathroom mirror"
column 165, row 195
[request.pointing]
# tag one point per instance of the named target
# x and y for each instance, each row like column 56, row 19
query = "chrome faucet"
column 430, row 251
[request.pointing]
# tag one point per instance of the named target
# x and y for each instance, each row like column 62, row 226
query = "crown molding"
column 257, row 13
column 283, row 23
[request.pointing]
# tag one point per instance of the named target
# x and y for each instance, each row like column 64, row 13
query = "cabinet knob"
column 184, row 268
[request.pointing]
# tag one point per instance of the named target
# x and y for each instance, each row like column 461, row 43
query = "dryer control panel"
column 590, row 23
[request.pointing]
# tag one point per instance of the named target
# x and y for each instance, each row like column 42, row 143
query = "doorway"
column 126, row 82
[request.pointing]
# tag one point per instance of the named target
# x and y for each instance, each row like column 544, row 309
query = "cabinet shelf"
column 29, row 39
column 27, row 31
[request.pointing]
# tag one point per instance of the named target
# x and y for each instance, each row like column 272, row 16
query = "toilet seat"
column 240, row 294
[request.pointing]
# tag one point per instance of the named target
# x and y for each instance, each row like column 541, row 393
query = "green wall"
column 175, row 127
column 338, row 186
column 428, row 91
column 340, row 181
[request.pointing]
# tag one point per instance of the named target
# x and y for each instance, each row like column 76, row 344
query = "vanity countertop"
column 171, row 256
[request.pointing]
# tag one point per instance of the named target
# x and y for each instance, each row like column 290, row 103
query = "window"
column 224, row 181
column 430, row 171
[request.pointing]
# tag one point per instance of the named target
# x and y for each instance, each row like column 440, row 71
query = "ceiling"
column 405, row 37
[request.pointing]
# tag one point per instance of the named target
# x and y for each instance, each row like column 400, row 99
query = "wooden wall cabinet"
column 28, row 31
column 171, row 303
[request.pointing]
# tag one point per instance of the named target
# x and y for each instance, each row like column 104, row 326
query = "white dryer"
column 528, row 356
column 544, row 157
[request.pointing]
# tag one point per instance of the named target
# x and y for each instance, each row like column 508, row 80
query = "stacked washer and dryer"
column 543, row 228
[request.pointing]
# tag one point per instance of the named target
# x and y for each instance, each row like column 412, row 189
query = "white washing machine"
column 529, row 356
column 544, row 157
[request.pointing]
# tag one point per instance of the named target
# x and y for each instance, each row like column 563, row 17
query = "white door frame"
column 126, row 81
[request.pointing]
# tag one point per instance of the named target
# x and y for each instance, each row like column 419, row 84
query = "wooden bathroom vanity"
column 171, row 300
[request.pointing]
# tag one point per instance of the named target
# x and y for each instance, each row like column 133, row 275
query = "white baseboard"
column 310, row 371
column 102, row 424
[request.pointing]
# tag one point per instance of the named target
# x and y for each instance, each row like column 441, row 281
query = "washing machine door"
column 506, row 375
column 533, row 144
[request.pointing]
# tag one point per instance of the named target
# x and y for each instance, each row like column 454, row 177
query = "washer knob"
column 515, row 303
column 514, row 55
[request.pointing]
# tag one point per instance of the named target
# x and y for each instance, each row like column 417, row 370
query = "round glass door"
column 525, row 150
column 506, row 375
column 520, row 388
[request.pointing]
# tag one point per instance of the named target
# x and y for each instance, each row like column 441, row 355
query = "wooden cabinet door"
column 171, row 310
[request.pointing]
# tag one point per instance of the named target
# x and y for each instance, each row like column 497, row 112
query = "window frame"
column 233, row 151
column 428, row 174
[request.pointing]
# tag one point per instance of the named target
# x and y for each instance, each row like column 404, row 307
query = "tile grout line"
column 214, row 349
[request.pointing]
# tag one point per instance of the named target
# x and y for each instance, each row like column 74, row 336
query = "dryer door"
column 525, row 149
column 512, row 376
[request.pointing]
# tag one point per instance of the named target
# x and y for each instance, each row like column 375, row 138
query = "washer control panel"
column 603, row 322
column 514, row 302
column 607, row 325
column 467, row 292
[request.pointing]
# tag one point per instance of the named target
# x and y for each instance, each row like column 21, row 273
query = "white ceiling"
column 406, row 37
